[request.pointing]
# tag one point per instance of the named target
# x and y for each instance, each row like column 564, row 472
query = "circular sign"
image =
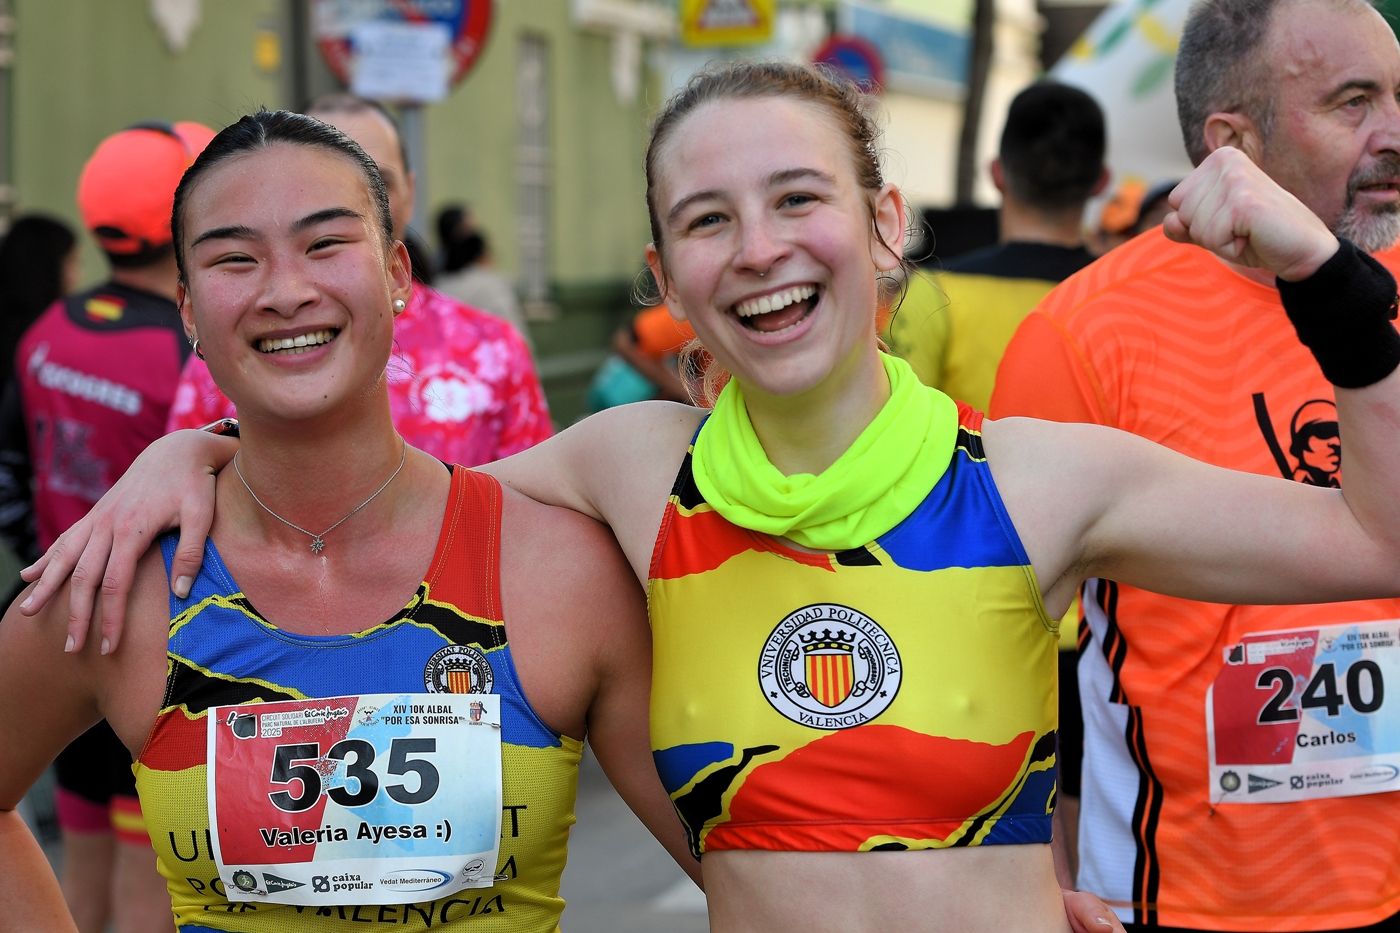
column 467, row 21
column 854, row 57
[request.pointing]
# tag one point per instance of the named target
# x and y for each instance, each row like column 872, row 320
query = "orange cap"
column 1121, row 211
column 127, row 188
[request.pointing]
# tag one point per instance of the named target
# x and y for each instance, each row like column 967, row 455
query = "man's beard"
column 1375, row 229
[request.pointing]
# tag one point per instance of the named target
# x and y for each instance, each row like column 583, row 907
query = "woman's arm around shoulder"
column 618, row 717
column 616, row 466
column 1090, row 501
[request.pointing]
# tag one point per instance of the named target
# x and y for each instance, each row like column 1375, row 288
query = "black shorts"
column 1070, row 754
column 96, row 766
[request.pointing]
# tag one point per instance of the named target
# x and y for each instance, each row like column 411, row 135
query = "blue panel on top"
column 960, row 523
column 391, row 660
column 677, row 765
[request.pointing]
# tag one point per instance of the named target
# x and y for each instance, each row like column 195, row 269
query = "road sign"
column 727, row 22
column 447, row 35
column 854, row 57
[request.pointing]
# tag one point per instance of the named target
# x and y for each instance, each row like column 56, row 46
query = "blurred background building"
column 544, row 133
column 543, row 136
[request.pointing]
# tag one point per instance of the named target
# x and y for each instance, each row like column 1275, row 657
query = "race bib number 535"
column 373, row 799
column 1306, row 713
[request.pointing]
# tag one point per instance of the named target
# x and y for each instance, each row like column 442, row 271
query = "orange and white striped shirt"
column 1167, row 342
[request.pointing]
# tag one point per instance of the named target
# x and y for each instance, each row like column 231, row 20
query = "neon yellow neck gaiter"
column 885, row 473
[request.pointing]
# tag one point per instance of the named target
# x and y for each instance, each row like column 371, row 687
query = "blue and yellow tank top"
column 221, row 651
column 899, row 695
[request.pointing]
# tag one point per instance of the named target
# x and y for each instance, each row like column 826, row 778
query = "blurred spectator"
column 1133, row 208
column 462, row 384
column 644, row 363
column 95, row 374
column 1154, row 206
column 1208, row 804
column 1050, row 162
column 467, row 272
column 420, row 259
column 38, row 265
column 1120, row 212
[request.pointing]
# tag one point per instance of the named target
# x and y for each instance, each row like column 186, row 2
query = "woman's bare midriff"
column 992, row 889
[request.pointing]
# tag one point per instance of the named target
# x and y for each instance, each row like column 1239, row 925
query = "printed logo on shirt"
column 105, row 308
column 1314, row 455
column 277, row 883
column 458, row 669
column 59, row 378
column 829, row 666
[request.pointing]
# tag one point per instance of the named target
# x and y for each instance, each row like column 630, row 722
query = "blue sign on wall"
column 918, row 55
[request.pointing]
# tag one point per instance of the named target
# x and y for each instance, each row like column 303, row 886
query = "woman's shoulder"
column 555, row 548
column 652, row 436
column 648, row 419
column 634, row 448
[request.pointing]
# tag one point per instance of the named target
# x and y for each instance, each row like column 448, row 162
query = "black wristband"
column 1343, row 313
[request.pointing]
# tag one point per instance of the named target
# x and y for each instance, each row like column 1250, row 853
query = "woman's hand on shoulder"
column 170, row 484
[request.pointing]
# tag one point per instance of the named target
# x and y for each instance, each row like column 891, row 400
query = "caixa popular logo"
column 829, row 666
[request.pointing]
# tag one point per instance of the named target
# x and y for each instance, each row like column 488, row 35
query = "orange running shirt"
column 1167, row 342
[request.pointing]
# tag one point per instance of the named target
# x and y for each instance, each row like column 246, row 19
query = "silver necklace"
column 318, row 543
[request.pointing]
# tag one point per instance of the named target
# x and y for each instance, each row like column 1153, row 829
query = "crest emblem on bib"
column 829, row 667
column 458, row 669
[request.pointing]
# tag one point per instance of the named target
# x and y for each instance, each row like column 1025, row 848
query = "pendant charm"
column 317, row 544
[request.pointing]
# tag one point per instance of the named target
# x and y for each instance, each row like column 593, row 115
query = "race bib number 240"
column 372, row 799
column 1306, row 713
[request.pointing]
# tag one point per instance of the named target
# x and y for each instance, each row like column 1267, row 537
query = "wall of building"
column 83, row 70
column 599, row 219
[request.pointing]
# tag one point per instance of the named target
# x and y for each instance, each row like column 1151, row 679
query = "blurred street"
column 619, row 880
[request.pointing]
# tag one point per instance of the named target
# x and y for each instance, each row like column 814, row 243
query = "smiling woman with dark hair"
column 368, row 703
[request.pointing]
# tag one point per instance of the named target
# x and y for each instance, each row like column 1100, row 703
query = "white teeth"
column 767, row 304
column 298, row 344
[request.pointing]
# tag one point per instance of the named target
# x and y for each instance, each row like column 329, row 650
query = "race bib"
column 1306, row 713
column 384, row 798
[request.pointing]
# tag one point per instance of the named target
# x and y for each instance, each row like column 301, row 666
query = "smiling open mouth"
column 777, row 311
column 298, row 344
